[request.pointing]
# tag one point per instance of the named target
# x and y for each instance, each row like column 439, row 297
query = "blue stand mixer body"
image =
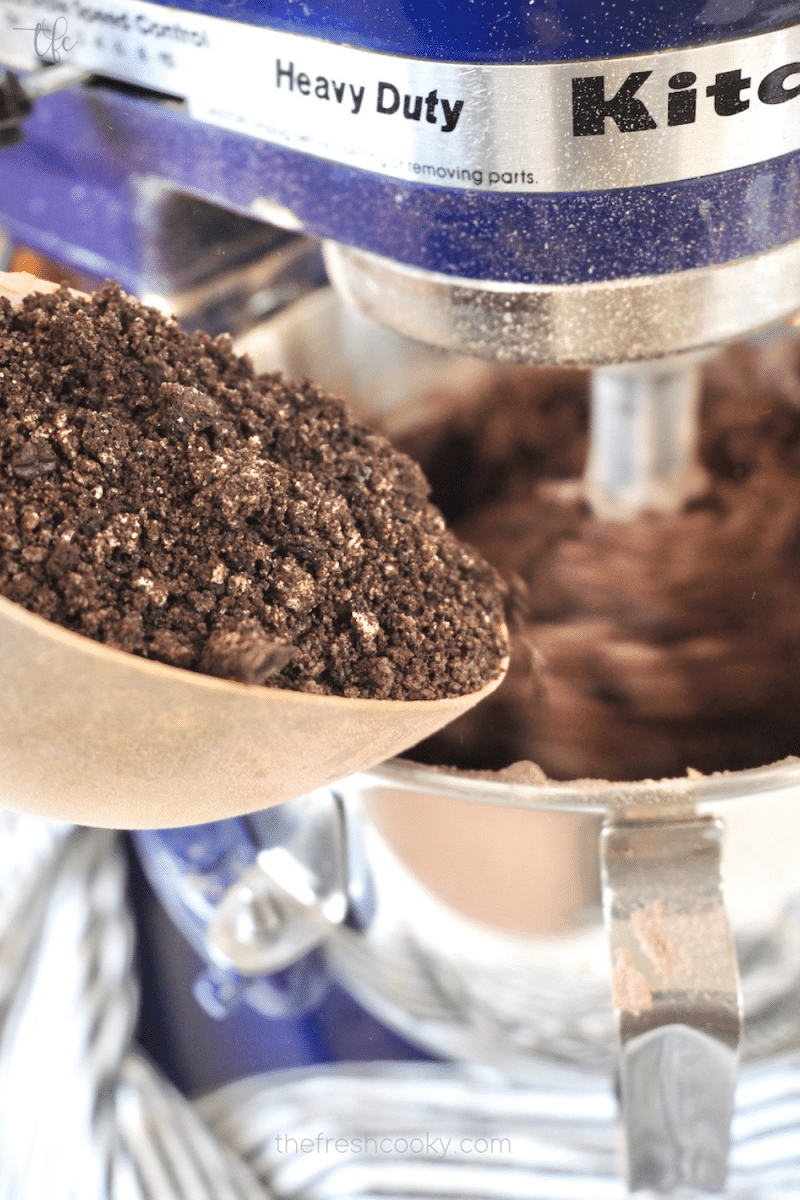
column 76, row 186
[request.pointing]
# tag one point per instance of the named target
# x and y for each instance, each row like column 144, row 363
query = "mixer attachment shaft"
column 643, row 444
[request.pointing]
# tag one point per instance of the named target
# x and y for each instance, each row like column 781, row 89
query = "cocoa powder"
column 161, row 498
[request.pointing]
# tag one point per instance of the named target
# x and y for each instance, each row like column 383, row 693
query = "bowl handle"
column 676, row 993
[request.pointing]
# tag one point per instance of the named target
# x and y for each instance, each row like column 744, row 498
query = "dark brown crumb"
column 163, row 499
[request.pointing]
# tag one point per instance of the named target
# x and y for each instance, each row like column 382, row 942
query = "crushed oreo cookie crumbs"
column 161, row 498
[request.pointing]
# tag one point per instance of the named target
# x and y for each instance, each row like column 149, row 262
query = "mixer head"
column 528, row 183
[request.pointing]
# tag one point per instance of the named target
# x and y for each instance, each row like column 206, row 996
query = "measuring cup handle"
column 675, row 989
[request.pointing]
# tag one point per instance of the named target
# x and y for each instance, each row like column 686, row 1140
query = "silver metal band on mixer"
column 588, row 324
column 640, row 334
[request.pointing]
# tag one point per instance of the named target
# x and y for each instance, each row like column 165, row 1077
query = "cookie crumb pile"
column 160, row 497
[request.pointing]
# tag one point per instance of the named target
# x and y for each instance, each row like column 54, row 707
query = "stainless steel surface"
column 268, row 919
column 231, row 300
column 644, row 436
column 625, row 320
column 493, row 126
column 523, row 785
column 676, row 994
column 492, row 952
column 289, row 901
column 495, row 952
column 53, row 79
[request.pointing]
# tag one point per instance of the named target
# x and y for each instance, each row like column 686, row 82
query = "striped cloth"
column 84, row 1116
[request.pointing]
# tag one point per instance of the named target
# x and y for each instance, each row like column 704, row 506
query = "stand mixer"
column 527, row 183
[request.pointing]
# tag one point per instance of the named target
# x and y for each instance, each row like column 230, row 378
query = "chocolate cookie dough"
column 160, row 497
column 639, row 649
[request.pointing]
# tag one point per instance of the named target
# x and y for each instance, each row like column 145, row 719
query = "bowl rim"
column 644, row 799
